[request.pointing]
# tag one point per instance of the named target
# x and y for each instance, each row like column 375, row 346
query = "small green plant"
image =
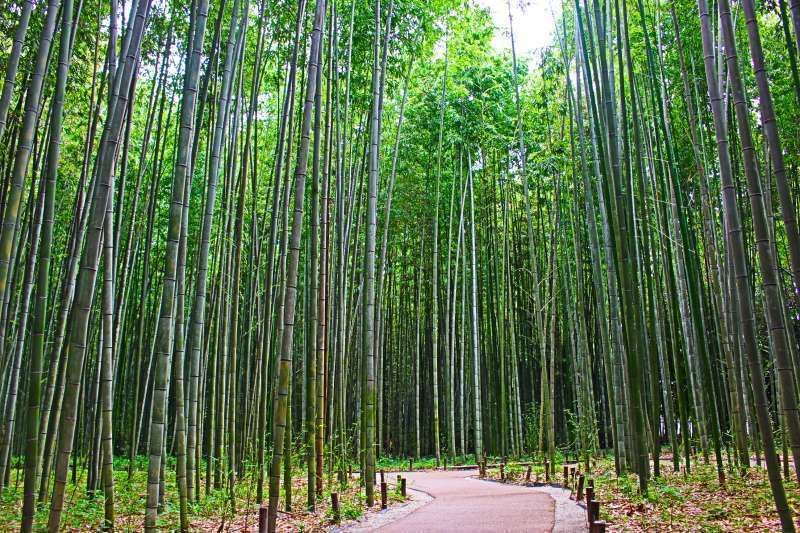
column 669, row 492
column 716, row 512
column 352, row 509
column 515, row 471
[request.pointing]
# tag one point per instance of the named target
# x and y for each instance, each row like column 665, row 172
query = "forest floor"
column 211, row 512
column 677, row 501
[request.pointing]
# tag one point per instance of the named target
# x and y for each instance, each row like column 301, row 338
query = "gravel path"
column 457, row 501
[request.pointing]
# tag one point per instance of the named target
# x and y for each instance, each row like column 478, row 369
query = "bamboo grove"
column 242, row 232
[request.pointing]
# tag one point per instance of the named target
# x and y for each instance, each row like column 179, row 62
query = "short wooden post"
column 502, row 472
column 383, row 475
column 262, row 518
column 335, row 506
column 410, row 464
column 566, row 476
column 593, row 511
column 579, row 490
column 598, row 526
column 445, row 462
column 546, row 471
column 528, row 474
column 397, row 485
column 383, row 495
column 589, row 495
column 403, row 487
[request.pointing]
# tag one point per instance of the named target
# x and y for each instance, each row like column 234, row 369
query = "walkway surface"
column 462, row 503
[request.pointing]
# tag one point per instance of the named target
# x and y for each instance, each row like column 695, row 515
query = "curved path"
column 463, row 503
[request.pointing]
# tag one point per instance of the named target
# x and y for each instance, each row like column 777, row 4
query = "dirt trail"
column 462, row 503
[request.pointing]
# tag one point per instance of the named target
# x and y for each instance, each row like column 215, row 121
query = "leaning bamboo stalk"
column 84, row 293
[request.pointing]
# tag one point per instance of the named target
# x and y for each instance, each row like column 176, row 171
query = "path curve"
column 463, row 503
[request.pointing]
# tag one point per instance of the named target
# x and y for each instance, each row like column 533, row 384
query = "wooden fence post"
column 598, row 526
column 383, row 495
column 403, row 487
column 262, row 518
column 502, row 472
column 593, row 511
column 335, row 506
column 528, row 474
column 579, row 490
